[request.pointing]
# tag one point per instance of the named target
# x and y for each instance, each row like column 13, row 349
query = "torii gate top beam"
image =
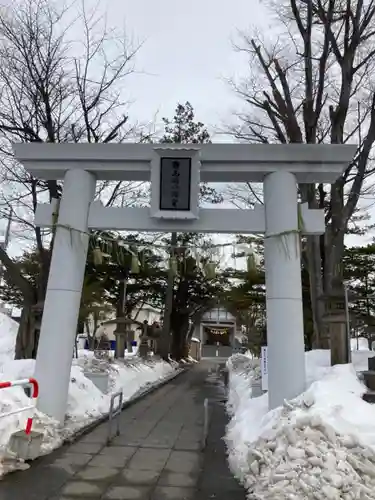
column 310, row 163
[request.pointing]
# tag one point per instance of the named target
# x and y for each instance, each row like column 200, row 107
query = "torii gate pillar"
column 285, row 341
column 63, row 298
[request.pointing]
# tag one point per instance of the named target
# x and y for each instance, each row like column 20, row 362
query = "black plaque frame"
column 169, row 207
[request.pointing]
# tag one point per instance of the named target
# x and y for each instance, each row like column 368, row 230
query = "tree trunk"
column 180, row 327
column 320, row 340
column 189, row 336
column 370, row 339
column 334, row 252
column 28, row 330
column 164, row 340
column 190, row 332
column 176, row 347
column 120, row 313
column 315, row 270
column 93, row 343
column 333, row 277
column 27, row 335
column 76, row 346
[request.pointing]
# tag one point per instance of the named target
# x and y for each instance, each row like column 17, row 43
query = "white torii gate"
column 174, row 207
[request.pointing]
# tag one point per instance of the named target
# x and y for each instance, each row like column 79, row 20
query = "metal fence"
column 114, row 414
column 27, row 382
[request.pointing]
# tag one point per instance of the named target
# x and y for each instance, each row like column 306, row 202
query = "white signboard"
column 264, row 367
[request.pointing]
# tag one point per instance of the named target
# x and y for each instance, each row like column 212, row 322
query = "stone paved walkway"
column 157, row 457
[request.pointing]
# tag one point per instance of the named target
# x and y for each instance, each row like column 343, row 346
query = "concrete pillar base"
column 26, row 446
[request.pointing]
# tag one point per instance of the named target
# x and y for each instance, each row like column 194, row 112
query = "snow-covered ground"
column 359, row 344
column 86, row 403
column 319, row 446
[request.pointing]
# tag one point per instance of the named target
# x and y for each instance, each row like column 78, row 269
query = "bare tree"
column 54, row 89
column 314, row 85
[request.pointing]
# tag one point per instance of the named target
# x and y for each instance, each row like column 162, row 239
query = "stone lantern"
column 124, row 336
column 150, row 335
column 143, row 349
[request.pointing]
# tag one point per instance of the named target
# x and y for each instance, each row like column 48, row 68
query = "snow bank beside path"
column 359, row 344
column 86, row 403
column 8, row 335
column 319, row 446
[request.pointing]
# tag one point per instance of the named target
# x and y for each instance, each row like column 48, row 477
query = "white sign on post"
column 264, row 367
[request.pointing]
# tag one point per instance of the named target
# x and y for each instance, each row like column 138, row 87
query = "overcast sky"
column 187, row 53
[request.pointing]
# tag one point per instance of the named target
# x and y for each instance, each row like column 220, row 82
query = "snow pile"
column 360, row 359
column 319, row 446
column 8, row 335
column 86, row 403
column 359, row 344
column 318, row 362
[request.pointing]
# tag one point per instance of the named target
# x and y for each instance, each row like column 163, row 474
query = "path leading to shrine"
column 158, row 455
